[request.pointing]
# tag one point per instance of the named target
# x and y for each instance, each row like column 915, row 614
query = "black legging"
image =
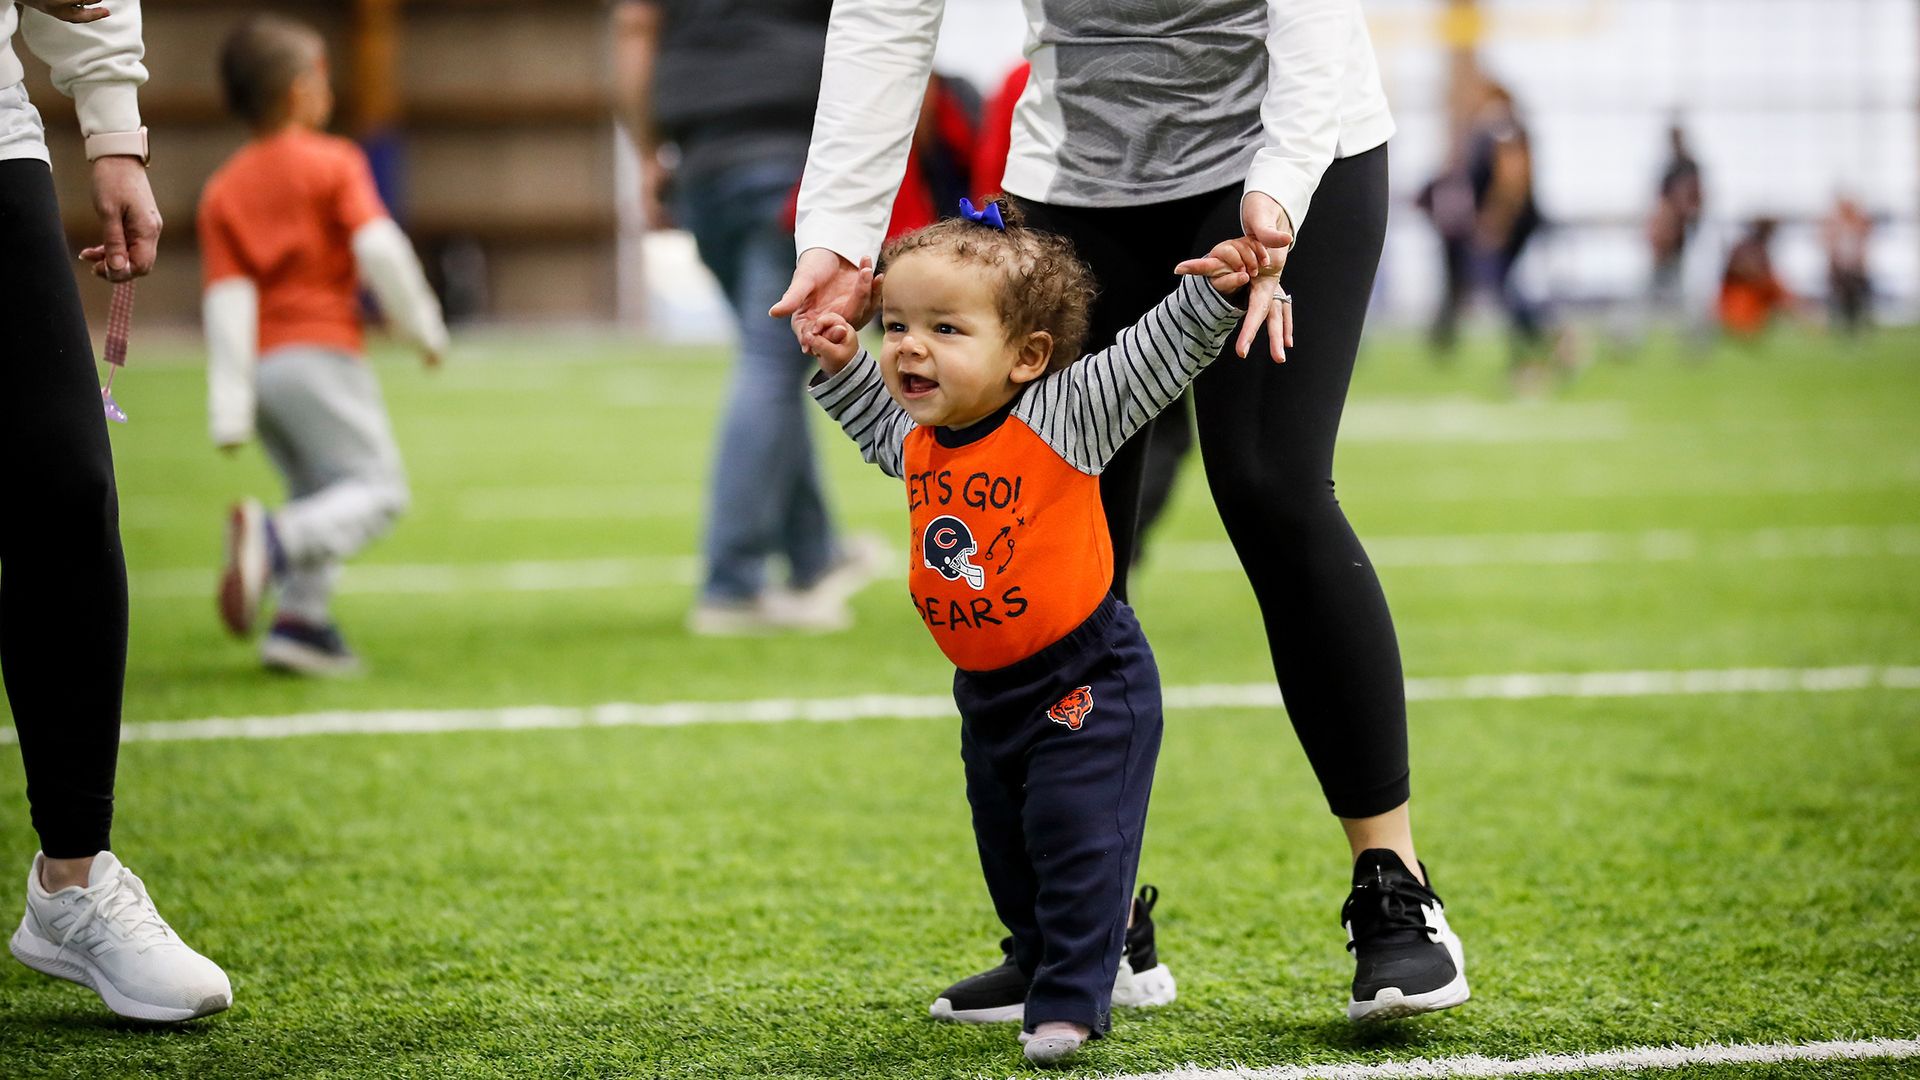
column 63, row 581
column 1266, row 435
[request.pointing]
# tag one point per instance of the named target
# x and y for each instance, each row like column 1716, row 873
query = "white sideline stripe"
column 1491, row 549
column 1516, row 687
column 1633, row 1058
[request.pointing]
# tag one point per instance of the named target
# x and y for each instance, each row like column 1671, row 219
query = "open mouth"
column 917, row 385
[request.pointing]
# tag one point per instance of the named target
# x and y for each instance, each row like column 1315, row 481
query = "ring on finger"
column 1283, row 298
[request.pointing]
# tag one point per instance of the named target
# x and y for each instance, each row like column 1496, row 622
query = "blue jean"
column 765, row 498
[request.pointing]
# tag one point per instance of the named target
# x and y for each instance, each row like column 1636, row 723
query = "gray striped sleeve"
column 858, row 401
column 1086, row 411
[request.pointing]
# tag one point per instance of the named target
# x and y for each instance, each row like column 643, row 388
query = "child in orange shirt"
column 1750, row 292
column 290, row 227
column 978, row 403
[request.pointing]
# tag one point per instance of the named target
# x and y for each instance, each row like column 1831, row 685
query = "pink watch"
column 119, row 144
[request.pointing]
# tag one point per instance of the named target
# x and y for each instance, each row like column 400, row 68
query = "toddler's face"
column 947, row 359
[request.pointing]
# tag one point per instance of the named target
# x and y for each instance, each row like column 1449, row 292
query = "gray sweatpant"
column 324, row 424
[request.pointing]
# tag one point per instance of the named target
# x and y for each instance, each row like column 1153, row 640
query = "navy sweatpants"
column 1059, row 751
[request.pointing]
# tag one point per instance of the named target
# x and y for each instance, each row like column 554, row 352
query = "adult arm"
column 636, row 45
column 1307, row 47
column 879, row 55
column 96, row 60
column 1507, row 193
column 1308, row 44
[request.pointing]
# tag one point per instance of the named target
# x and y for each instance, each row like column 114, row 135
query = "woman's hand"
column 823, row 284
column 1242, row 263
column 1266, row 223
column 73, row 11
column 129, row 222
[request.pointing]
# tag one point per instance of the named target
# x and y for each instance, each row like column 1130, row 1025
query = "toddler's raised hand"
column 831, row 339
column 1230, row 266
column 1235, row 264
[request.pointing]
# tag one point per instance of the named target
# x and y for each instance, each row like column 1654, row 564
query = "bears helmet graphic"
column 1072, row 710
column 948, row 546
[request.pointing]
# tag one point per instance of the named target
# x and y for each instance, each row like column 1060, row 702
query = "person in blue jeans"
column 721, row 154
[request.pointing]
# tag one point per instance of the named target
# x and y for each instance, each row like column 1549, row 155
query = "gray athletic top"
column 1131, row 102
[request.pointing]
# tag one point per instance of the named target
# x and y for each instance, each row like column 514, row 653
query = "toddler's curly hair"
column 1041, row 284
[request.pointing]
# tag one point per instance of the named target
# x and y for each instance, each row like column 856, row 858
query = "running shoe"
column 243, row 581
column 108, row 937
column 301, row 648
column 1406, row 959
column 1000, row 994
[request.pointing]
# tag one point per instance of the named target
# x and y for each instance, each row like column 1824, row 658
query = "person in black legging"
column 63, row 580
column 1145, row 130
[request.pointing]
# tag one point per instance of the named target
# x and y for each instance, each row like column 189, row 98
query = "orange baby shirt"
column 1008, row 548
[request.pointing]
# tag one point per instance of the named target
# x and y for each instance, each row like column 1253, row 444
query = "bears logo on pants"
column 1072, row 710
column 947, row 546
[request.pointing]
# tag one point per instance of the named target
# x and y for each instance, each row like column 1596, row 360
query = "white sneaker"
column 820, row 608
column 108, row 937
column 772, row 612
column 243, row 581
column 863, row 557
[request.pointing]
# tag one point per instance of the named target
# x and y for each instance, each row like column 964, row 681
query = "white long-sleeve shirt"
column 230, row 313
column 98, row 64
column 1129, row 102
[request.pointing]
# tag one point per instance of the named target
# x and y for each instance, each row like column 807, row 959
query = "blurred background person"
column 1751, row 293
column 289, row 228
column 941, row 163
column 1483, row 207
column 718, row 97
column 1449, row 203
column 1500, row 173
column 1844, row 234
column 996, row 131
column 1676, row 215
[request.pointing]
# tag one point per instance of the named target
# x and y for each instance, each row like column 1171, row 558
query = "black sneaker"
column 990, row 997
column 1000, row 994
column 1406, row 960
column 1143, row 982
column 304, row 649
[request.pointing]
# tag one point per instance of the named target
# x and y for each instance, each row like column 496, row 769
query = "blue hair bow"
column 987, row 215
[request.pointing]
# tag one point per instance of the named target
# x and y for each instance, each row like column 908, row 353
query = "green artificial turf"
column 783, row 900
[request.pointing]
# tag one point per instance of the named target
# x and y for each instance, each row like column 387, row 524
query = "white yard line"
column 1200, row 557
column 1514, row 687
column 1630, row 1059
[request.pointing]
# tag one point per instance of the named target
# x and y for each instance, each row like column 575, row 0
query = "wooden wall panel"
column 507, row 143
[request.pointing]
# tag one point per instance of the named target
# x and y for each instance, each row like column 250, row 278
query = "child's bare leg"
column 1392, row 830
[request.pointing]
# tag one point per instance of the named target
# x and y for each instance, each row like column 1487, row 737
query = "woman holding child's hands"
column 1146, row 133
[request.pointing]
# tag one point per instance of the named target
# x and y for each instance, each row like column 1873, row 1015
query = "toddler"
column 981, row 402
column 289, row 228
